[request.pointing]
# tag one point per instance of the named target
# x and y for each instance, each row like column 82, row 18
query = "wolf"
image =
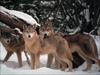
column 32, row 45
column 13, row 43
column 87, row 47
column 83, row 44
column 37, row 44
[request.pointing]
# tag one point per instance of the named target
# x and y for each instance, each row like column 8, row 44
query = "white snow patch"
column 67, row 17
column 87, row 15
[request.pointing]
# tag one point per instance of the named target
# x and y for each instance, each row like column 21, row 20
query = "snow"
column 27, row 18
column 87, row 15
column 73, row 31
column 11, row 66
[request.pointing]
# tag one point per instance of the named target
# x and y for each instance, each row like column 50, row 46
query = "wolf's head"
column 29, row 32
column 46, row 29
column 6, row 37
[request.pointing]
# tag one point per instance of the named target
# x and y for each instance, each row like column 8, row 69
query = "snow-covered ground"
column 11, row 66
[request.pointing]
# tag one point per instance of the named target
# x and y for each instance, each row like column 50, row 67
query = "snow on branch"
column 10, row 21
column 25, row 17
column 73, row 31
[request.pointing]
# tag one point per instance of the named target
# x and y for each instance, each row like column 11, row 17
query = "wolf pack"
column 60, row 48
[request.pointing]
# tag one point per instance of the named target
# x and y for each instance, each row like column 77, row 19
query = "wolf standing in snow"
column 12, row 44
column 86, row 48
column 83, row 44
column 32, row 45
column 36, row 44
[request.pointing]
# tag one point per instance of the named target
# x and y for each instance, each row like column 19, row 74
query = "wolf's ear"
column 35, row 26
column 37, row 29
column 50, row 24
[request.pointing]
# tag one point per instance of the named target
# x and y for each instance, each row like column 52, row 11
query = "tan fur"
column 83, row 44
column 85, row 47
column 77, row 44
column 54, row 45
column 32, row 45
column 56, row 41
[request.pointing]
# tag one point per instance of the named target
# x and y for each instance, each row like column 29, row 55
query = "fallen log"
column 12, row 22
column 8, row 29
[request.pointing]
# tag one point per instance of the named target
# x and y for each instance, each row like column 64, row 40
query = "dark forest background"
column 69, row 16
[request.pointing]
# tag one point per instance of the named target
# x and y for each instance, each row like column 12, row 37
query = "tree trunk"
column 11, row 21
column 7, row 29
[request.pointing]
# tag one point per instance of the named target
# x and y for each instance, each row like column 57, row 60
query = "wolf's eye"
column 8, row 40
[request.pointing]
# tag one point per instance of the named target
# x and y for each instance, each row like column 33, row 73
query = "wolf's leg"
column 57, row 64
column 37, row 62
column 97, row 60
column 88, row 66
column 86, row 58
column 27, row 57
column 19, row 58
column 60, row 64
column 50, row 60
column 7, row 56
column 32, row 61
column 68, row 62
column 63, row 66
column 65, row 61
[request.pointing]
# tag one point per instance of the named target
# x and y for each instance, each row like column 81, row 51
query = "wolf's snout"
column 8, row 41
column 45, row 35
column 29, row 36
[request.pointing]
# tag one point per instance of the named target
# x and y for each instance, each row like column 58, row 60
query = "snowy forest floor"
column 11, row 66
